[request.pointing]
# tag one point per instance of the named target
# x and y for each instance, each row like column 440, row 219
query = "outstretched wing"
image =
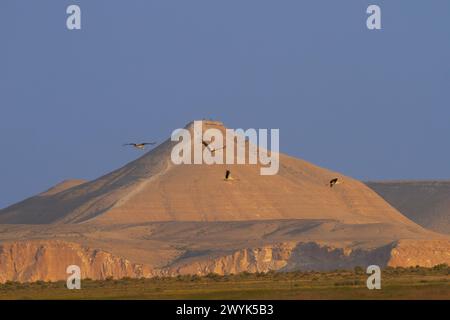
column 219, row 148
column 333, row 182
column 148, row 143
column 206, row 144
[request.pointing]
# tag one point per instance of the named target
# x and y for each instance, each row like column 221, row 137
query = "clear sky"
column 370, row 104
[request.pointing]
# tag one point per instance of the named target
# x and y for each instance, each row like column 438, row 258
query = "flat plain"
column 397, row 283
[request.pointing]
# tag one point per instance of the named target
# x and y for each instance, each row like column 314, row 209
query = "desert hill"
column 425, row 202
column 152, row 188
column 152, row 217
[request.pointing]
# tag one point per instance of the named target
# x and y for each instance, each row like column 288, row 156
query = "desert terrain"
column 152, row 218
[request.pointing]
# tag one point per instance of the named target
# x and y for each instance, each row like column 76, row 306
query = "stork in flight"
column 335, row 181
column 140, row 146
column 206, row 144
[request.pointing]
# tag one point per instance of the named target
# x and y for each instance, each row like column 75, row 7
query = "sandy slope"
column 62, row 186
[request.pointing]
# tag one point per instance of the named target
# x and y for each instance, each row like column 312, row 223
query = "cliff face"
column 314, row 256
column 420, row 253
column 260, row 259
column 48, row 260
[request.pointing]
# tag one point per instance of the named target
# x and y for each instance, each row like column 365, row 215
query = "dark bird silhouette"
column 215, row 149
column 206, row 144
column 334, row 182
column 140, row 146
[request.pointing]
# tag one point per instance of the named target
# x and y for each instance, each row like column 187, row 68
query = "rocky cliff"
column 320, row 257
column 47, row 260
column 27, row 261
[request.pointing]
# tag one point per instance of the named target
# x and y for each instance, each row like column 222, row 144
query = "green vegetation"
column 397, row 283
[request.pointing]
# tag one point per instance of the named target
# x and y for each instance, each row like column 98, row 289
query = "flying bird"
column 215, row 149
column 140, row 146
column 334, row 182
column 206, row 144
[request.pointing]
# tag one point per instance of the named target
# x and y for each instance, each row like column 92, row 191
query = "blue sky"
column 370, row 104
